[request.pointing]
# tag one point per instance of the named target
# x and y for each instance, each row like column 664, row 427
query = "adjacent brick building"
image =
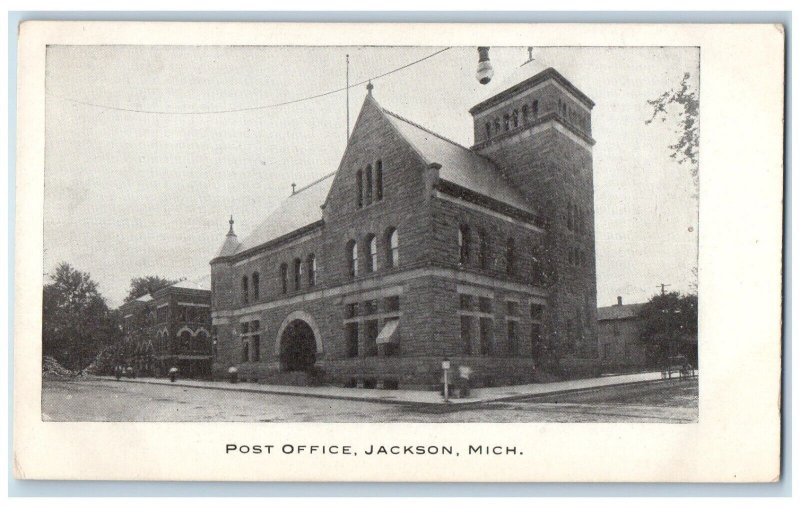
column 169, row 328
column 417, row 248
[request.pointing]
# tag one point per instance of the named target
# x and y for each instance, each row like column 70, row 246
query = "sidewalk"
column 415, row 397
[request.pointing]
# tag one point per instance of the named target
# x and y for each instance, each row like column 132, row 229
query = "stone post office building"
column 418, row 248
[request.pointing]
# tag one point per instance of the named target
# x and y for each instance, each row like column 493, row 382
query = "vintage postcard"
column 398, row 252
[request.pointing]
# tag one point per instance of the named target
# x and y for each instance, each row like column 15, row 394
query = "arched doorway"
column 298, row 346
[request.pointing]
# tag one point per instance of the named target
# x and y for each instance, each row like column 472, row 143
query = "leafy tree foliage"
column 669, row 324
column 141, row 286
column 686, row 101
column 76, row 321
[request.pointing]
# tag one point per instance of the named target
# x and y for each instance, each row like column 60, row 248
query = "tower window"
column 352, row 258
column 368, row 185
column 284, row 278
column 311, row 263
column 359, row 189
column 379, row 180
column 245, row 289
column 298, row 273
column 393, row 253
column 463, row 244
column 372, row 262
column 256, row 289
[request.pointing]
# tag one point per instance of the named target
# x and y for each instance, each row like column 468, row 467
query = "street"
column 103, row 400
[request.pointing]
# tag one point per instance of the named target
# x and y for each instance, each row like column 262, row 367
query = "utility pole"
column 663, row 288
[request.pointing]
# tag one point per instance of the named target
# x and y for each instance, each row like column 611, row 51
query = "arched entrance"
column 298, row 346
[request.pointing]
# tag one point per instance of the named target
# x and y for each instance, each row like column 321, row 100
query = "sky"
column 131, row 193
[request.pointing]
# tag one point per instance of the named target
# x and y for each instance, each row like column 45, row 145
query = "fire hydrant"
column 173, row 374
column 233, row 375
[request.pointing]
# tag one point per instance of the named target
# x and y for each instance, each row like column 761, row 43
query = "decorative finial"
column 293, row 186
column 230, row 231
column 370, row 87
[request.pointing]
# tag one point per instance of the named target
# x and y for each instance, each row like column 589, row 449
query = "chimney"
column 619, row 300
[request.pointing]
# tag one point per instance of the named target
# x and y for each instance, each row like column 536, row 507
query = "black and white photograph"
column 371, row 234
column 399, row 252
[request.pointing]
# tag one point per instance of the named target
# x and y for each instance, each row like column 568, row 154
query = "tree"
column 149, row 284
column 669, row 325
column 76, row 321
column 685, row 99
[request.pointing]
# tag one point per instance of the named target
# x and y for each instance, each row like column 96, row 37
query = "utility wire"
column 251, row 108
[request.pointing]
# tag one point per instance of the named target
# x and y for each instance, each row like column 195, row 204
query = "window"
column 371, row 330
column 497, row 125
column 372, row 261
column 298, row 273
column 487, row 336
column 311, row 266
column 393, row 252
column 284, row 278
column 391, row 304
column 485, row 304
column 525, row 113
column 488, row 130
column 537, row 311
column 535, row 108
column 351, row 310
column 515, row 118
column 256, row 288
column 537, row 272
column 512, row 308
column 483, row 250
column 536, row 340
column 352, row 258
column 465, row 302
column 466, row 335
column 368, row 185
column 255, row 341
column 511, row 257
column 463, row 244
column 359, row 189
column 352, row 339
column 245, row 352
column 506, row 122
column 513, row 349
column 370, row 307
column 379, row 180
column 245, row 289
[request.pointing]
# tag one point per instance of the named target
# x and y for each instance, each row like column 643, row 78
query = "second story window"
column 535, row 108
column 359, row 190
column 463, row 244
column 256, row 288
column 312, row 270
column 488, row 130
column 379, row 180
column 298, row 273
column 352, row 258
column 483, row 250
column 525, row 113
column 393, row 253
column 245, row 289
column 511, row 257
column 368, row 186
column 284, row 278
column 372, row 262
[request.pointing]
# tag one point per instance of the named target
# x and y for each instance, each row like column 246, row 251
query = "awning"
column 387, row 335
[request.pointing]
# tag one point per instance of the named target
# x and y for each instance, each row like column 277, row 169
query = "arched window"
column 511, row 257
column 368, row 185
column 372, row 248
column 393, row 251
column 525, row 113
column 483, row 250
column 311, row 263
column 537, row 275
column 256, row 286
column 463, row 244
column 506, row 122
column 359, row 189
column 245, row 289
column 515, row 117
column 298, row 273
column 352, row 258
column 535, row 108
column 379, row 180
column 284, row 278
column 488, row 130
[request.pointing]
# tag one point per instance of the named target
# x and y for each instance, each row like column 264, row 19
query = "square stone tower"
column 539, row 132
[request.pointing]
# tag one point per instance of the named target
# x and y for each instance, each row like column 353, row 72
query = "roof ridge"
column 315, row 182
column 415, row 124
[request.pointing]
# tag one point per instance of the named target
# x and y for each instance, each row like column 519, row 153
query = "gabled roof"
column 460, row 165
column 299, row 210
column 615, row 312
